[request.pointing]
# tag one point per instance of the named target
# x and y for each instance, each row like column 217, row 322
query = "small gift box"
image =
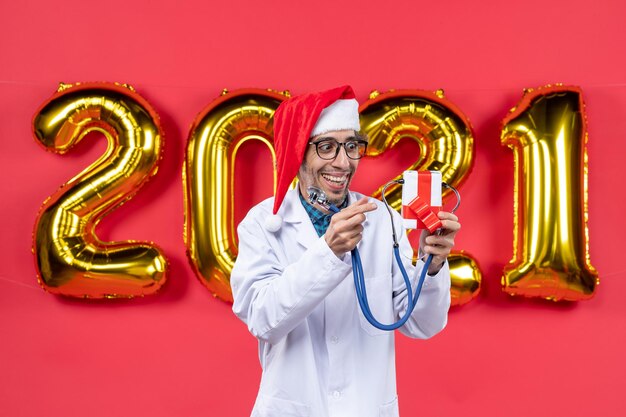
column 421, row 199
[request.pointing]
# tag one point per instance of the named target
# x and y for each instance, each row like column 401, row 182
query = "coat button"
column 336, row 395
column 334, row 340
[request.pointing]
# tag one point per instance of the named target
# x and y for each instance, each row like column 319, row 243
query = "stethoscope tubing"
column 359, row 276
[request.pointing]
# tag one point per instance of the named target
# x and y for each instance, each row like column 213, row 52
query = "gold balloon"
column 215, row 136
column 466, row 277
column 446, row 142
column 547, row 132
column 70, row 258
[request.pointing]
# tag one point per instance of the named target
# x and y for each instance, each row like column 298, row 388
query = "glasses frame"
column 339, row 146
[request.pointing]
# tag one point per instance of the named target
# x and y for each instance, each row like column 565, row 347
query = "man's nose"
column 342, row 160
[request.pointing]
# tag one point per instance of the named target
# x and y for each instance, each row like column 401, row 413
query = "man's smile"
column 336, row 181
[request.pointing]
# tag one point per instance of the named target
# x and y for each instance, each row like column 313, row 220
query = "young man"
column 292, row 282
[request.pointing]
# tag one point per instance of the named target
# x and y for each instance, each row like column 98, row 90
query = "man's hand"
column 440, row 245
column 346, row 227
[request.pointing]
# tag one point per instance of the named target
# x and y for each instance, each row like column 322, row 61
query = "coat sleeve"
column 271, row 296
column 431, row 312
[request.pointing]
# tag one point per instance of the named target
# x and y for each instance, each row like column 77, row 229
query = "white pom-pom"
column 273, row 223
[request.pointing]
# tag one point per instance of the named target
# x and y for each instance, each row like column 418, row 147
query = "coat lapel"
column 296, row 216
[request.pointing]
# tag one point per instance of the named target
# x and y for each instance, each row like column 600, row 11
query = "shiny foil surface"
column 71, row 260
column 547, row 132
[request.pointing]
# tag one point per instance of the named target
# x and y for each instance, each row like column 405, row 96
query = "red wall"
column 183, row 353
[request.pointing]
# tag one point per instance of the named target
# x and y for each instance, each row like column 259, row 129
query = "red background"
column 182, row 352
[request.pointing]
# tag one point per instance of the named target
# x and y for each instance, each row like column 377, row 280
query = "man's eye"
column 351, row 146
column 325, row 147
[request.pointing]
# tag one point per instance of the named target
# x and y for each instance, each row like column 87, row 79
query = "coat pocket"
column 278, row 407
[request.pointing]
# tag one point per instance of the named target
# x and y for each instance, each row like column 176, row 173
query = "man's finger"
column 444, row 215
column 450, row 225
column 361, row 206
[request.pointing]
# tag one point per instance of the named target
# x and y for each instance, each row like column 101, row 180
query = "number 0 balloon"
column 216, row 135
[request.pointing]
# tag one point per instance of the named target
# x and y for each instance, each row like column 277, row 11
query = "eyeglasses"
column 328, row 149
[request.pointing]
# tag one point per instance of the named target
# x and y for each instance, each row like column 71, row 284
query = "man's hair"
column 361, row 136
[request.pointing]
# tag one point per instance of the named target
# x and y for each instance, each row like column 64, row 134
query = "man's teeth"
column 332, row 178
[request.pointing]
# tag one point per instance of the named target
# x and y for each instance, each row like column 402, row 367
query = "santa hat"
column 297, row 120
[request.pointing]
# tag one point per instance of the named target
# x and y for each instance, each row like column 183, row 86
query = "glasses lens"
column 327, row 149
column 355, row 149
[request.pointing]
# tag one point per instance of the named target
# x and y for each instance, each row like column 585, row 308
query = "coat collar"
column 292, row 209
column 293, row 213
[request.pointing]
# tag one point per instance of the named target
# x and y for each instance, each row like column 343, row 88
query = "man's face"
column 331, row 176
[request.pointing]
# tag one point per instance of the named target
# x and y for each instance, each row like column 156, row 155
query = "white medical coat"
column 320, row 356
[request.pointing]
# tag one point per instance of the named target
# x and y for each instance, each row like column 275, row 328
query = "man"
column 292, row 282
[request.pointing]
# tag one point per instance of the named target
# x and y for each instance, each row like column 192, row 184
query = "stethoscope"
column 318, row 196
